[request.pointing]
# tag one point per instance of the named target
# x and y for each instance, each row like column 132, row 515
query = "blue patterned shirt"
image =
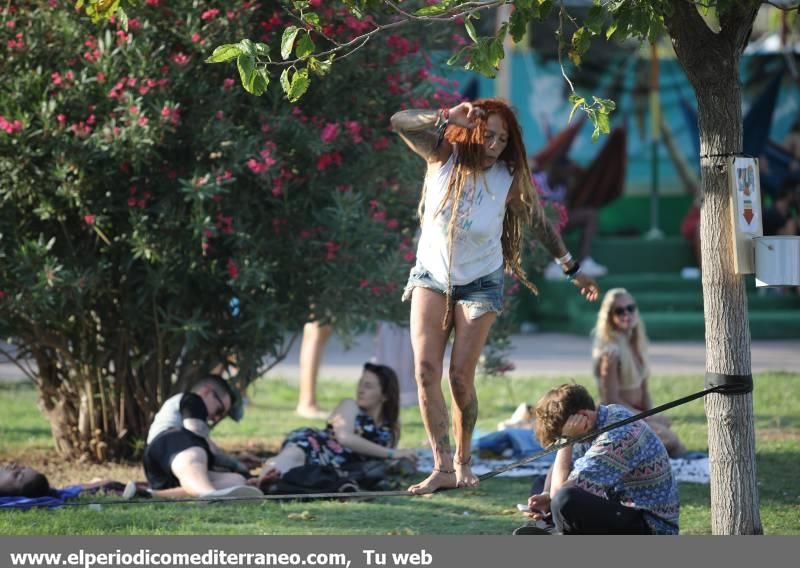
column 629, row 465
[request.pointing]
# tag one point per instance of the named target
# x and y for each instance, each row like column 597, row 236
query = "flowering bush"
column 155, row 221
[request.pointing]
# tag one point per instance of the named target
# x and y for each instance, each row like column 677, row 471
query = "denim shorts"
column 481, row 296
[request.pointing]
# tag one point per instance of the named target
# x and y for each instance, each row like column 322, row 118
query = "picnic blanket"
column 54, row 499
column 688, row 470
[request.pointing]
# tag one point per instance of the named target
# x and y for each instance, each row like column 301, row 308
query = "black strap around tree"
column 734, row 384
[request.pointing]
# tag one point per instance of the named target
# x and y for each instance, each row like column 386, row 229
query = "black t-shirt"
column 192, row 406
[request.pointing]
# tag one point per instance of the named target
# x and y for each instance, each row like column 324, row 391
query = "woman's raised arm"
column 423, row 132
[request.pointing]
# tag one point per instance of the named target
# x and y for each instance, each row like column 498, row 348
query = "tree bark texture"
column 711, row 61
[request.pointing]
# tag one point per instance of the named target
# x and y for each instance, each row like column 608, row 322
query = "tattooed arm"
column 423, row 132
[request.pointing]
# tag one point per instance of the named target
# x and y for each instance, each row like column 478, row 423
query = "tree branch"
column 16, row 362
column 358, row 42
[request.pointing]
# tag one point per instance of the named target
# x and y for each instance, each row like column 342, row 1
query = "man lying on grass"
column 620, row 482
column 180, row 459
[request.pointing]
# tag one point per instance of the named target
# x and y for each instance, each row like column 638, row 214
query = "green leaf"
column 471, row 30
column 123, row 18
column 262, row 49
column 305, row 46
column 224, row 52
column 260, row 81
column 247, row 71
column 611, row 29
column 247, row 47
column 312, row 19
column 518, row 25
column 581, row 40
column 299, row 86
column 287, row 41
column 594, row 19
column 321, row 68
column 285, row 82
column 432, row 10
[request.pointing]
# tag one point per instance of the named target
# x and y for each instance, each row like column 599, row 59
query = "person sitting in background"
column 780, row 219
column 619, row 356
column 180, row 459
column 357, row 430
column 554, row 184
column 619, row 482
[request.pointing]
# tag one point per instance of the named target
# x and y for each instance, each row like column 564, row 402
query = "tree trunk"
column 711, row 61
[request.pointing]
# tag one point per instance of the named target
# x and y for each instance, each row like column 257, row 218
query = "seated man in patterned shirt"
column 620, row 482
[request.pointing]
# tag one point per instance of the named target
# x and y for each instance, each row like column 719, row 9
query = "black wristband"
column 574, row 270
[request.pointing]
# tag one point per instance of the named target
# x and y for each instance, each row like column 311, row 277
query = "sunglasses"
column 620, row 310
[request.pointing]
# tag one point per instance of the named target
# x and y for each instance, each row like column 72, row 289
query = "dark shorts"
column 481, row 296
column 158, row 456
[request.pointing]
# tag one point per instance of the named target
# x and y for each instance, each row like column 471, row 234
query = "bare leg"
column 315, row 337
column 469, row 341
column 191, row 468
column 429, row 340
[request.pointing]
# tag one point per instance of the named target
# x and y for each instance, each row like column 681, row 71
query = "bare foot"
column 269, row 476
column 311, row 412
column 464, row 475
column 439, row 479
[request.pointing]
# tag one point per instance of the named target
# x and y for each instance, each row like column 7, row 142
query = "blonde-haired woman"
column 476, row 202
column 620, row 362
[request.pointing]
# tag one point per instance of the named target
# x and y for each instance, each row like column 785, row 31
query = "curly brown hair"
column 556, row 406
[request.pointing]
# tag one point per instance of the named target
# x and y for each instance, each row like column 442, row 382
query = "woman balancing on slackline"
column 477, row 161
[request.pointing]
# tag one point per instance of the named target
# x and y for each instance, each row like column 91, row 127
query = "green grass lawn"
column 490, row 509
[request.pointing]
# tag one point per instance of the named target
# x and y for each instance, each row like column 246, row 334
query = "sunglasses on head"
column 620, row 310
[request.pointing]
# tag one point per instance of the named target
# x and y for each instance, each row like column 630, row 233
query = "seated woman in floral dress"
column 361, row 429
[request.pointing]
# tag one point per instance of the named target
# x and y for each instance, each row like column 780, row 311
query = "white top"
column 477, row 246
column 169, row 417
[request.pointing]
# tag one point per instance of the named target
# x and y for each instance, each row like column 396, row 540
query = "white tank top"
column 477, row 246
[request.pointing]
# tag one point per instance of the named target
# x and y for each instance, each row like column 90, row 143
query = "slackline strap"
column 721, row 388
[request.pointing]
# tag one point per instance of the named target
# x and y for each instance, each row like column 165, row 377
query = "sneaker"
column 553, row 272
column 130, row 491
column 536, row 528
column 591, row 268
column 237, row 492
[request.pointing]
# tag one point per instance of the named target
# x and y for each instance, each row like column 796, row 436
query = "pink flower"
column 363, row 283
column 209, row 14
column 180, row 58
column 380, row 144
column 152, row 2
column 277, row 187
column 131, row 202
column 328, row 159
column 410, row 256
column 329, row 133
column 143, row 120
column 61, row 118
column 233, row 269
column 331, row 248
column 354, row 128
column 101, row 77
column 228, row 83
column 379, row 216
column 196, row 37
column 392, row 224
column 88, row 219
column 2, row 294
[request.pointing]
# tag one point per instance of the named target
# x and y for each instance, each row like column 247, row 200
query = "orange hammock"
column 603, row 180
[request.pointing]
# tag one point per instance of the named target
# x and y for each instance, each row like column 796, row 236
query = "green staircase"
column 671, row 306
